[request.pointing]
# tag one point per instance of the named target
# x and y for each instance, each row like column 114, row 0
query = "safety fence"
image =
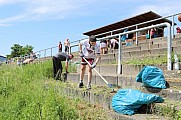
column 74, row 44
column 49, row 52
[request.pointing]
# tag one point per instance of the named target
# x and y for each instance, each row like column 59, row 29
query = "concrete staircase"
column 108, row 69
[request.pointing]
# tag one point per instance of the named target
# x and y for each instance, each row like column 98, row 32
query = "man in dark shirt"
column 57, row 64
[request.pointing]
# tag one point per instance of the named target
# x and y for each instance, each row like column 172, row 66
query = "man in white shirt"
column 91, row 52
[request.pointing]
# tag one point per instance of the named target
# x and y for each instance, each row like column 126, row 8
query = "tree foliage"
column 18, row 50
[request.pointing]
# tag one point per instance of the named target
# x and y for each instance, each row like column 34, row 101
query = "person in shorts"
column 90, row 50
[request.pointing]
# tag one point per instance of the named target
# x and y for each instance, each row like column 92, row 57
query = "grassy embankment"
column 28, row 92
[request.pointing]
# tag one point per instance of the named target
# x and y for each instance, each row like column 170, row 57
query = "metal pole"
column 169, row 64
column 169, row 44
column 51, row 52
column 45, row 53
column 139, row 24
column 69, row 52
column 119, row 56
column 172, row 26
column 136, row 35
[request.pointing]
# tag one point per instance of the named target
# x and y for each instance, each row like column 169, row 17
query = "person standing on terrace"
column 60, row 47
column 103, row 46
column 91, row 52
column 152, row 33
column 114, row 44
column 67, row 45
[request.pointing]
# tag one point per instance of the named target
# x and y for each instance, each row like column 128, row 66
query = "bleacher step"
column 102, row 96
column 122, row 81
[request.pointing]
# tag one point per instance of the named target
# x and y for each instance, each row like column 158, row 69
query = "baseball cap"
column 92, row 38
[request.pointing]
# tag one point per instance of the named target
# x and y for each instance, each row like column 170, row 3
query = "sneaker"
column 81, row 85
column 88, row 87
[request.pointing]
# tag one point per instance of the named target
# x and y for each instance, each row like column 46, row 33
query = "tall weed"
column 24, row 94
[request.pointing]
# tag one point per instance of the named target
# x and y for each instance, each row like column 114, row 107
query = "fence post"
column 172, row 26
column 136, row 35
column 45, row 53
column 51, row 52
column 119, row 56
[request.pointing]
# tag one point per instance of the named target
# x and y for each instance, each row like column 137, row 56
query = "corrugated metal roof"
column 128, row 22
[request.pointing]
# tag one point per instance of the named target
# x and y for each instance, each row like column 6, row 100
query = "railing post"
column 172, row 26
column 169, row 44
column 169, row 62
column 51, row 52
column 136, row 35
column 119, row 56
column 69, row 50
column 45, row 53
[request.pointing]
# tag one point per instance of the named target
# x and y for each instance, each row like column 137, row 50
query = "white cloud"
column 5, row 25
column 60, row 9
column 162, row 7
column 3, row 2
column 43, row 9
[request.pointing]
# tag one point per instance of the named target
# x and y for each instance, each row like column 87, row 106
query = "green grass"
column 151, row 60
column 148, row 61
column 29, row 93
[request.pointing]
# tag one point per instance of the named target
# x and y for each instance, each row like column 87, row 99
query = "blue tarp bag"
column 127, row 101
column 151, row 76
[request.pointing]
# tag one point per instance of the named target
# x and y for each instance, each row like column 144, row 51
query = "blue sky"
column 43, row 23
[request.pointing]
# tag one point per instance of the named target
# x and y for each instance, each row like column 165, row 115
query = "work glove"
column 93, row 65
column 81, row 54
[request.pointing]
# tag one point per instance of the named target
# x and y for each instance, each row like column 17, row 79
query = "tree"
column 26, row 49
column 18, row 50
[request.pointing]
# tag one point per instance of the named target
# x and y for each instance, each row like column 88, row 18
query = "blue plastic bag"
column 127, row 101
column 151, row 76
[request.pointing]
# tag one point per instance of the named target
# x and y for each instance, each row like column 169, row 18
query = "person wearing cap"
column 90, row 50
column 57, row 65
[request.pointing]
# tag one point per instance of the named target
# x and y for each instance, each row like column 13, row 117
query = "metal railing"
column 75, row 43
column 169, row 63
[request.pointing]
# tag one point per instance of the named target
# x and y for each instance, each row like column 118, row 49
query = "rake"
column 109, row 85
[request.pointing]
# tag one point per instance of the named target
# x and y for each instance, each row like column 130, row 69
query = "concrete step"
column 160, row 42
column 129, row 55
column 124, row 59
column 103, row 97
column 127, row 69
column 110, row 69
column 122, row 81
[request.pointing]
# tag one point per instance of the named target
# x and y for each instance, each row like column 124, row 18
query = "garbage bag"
column 127, row 101
column 151, row 76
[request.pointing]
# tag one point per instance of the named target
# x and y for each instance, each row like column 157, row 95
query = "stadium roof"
column 129, row 22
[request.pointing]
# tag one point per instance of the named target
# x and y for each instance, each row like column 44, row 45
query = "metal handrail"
column 136, row 25
column 169, row 65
